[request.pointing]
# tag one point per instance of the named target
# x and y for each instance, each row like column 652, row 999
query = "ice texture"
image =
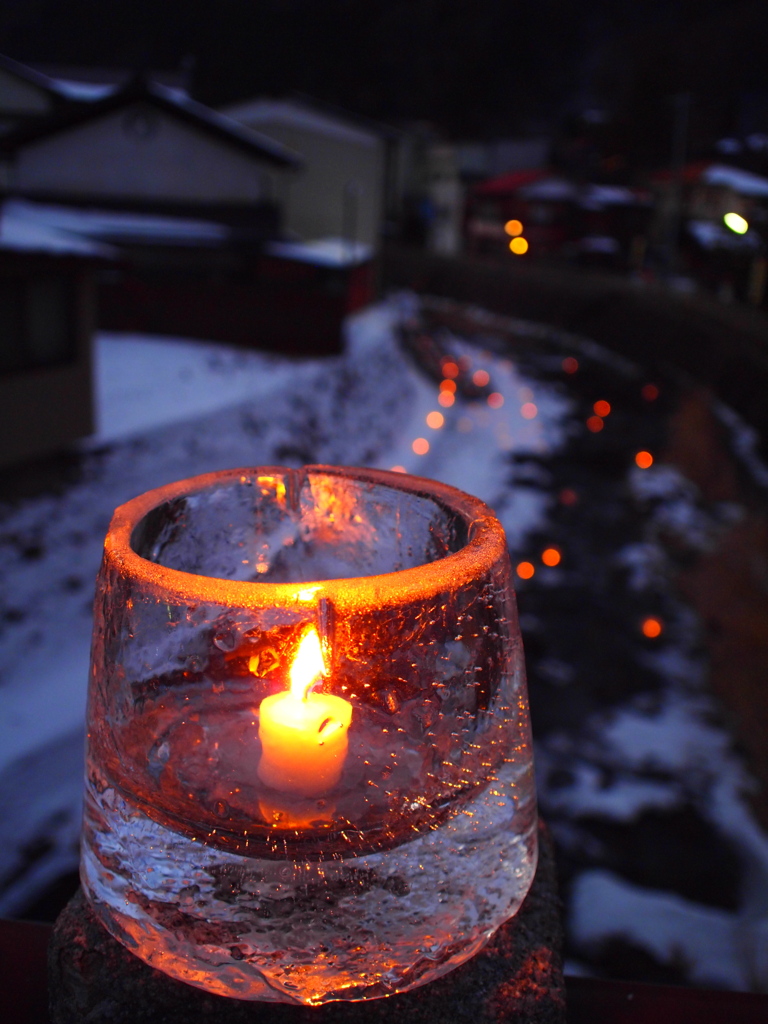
column 293, row 930
column 422, row 843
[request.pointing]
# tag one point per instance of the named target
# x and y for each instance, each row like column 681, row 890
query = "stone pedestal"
column 516, row 979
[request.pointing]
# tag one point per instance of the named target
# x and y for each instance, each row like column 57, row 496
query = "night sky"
column 473, row 67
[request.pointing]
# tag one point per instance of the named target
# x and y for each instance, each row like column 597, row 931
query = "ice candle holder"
column 309, row 767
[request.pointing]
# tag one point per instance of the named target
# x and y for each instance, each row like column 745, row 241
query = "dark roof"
column 36, row 78
column 386, row 131
column 510, row 182
column 172, row 102
column 689, row 173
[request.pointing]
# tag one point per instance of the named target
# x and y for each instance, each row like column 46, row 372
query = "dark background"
column 476, row 68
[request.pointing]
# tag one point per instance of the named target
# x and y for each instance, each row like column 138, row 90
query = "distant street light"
column 736, row 223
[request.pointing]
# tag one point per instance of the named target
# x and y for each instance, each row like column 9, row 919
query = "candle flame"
column 308, row 665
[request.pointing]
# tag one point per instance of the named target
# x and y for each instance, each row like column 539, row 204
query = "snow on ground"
column 704, row 938
column 665, row 751
column 168, row 409
column 146, row 382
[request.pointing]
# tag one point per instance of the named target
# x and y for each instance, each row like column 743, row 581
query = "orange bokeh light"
column 518, row 246
column 568, row 496
column 446, row 399
column 551, row 556
column 570, row 365
column 651, row 628
column 514, row 227
column 649, row 392
column 399, row 469
column 435, row 420
column 420, row 446
column 644, row 460
column 495, row 400
column 450, row 369
column 595, row 424
column 448, row 385
column 529, row 411
column 602, row 408
column 481, row 378
column 525, row 570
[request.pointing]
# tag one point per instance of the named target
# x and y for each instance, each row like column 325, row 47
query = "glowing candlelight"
column 304, row 734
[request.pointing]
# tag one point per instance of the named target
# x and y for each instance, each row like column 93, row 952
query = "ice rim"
column 485, row 545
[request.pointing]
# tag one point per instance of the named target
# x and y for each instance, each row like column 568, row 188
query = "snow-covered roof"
column 714, row 235
column 118, row 226
column 324, row 252
column 744, row 182
column 290, row 113
column 511, row 181
column 541, row 183
column 604, row 244
column 551, row 189
column 23, row 232
column 29, row 75
column 83, row 92
column 596, row 196
column 171, row 101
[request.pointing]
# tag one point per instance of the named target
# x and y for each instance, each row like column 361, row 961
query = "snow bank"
column 363, row 408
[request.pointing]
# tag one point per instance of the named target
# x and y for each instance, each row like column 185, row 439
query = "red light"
column 551, row 557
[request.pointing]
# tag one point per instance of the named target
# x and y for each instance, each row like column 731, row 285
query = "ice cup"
column 271, row 824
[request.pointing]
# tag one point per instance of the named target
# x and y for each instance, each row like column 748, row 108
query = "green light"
column 736, row 223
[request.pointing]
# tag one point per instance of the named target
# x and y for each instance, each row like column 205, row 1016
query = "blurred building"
column 538, row 213
column 481, row 160
column 26, row 95
column 712, row 222
column 47, row 316
column 128, row 206
column 341, row 192
column 149, row 148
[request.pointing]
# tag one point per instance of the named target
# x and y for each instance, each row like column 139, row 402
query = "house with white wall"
column 191, row 199
column 341, row 192
column 147, row 147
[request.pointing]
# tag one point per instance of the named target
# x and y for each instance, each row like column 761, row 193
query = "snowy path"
column 363, row 408
column 660, row 755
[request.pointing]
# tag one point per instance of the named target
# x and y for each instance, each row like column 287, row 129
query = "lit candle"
column 304, row 734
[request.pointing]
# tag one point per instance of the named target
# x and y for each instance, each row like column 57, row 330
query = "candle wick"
column 310, row 688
